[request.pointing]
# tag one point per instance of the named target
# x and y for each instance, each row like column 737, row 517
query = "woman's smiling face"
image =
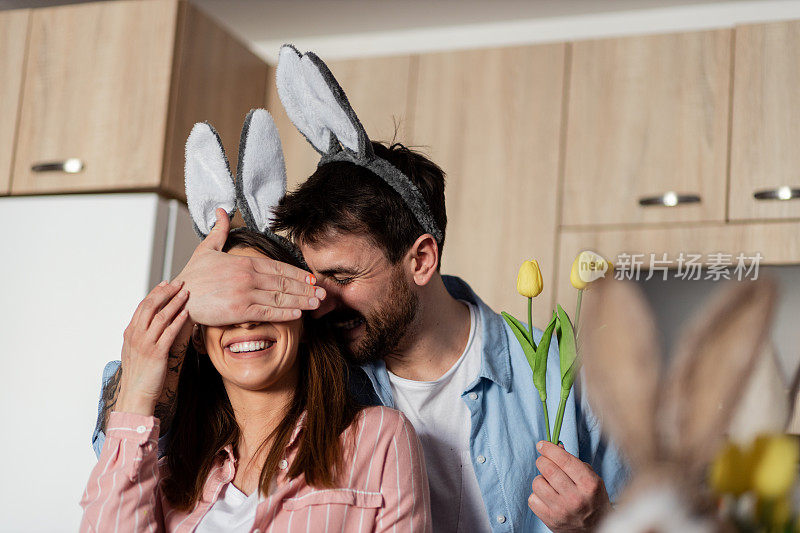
column 253, row 355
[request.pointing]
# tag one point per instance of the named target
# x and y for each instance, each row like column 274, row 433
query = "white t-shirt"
column 442, row 421
column 233, row 512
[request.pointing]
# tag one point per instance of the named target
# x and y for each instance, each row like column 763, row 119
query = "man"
column 427, row 345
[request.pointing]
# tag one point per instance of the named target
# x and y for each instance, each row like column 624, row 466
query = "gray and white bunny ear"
column 261, row 170
column 209, row 183
column 317, row 105
column 713, row 356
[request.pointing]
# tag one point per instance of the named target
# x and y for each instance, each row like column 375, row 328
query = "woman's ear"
column 198, row 340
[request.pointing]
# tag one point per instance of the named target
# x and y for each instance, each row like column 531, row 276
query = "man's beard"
column 387, row 324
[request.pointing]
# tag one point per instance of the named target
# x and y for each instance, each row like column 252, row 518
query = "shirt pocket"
column 355, row 498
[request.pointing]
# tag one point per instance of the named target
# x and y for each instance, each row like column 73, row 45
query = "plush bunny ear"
column 317, row 105
column 714, row 356
column 209, row 183
column 765, row 406
column 292, row 93
column 261, row 171
column 622, row 364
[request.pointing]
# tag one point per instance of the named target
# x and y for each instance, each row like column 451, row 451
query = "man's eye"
column 341, row 281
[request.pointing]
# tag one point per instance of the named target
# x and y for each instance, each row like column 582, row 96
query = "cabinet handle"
column 781, row 193
column 70, row 166
column 669, row 199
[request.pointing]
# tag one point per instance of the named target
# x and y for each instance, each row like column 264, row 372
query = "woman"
column 266, row 436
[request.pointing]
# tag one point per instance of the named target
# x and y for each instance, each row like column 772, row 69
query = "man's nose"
column 247, row 325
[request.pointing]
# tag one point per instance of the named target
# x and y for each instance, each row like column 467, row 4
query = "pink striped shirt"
column 386, row 489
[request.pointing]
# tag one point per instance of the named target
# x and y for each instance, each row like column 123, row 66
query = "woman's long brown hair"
column 204, row 420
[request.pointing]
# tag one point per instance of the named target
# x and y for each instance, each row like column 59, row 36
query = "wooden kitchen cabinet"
column 775, row 241
column 13, row 38
column 378, row 89
column 646, row 116
column 766, row 120
column 492, row 120
column 118, row 85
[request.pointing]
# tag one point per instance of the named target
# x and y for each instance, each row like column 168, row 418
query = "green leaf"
column 514, row 323
column 568, row 380
column 567, row 352
column 540, row 367
column 519, row 332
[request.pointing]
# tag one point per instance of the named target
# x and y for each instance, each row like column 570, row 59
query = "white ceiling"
column 356, row 28
column 280, row 19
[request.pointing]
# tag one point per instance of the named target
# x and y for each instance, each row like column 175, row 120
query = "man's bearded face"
column 370, row 304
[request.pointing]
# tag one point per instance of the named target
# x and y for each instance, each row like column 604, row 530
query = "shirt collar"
column 299, row 426
column 495, row 355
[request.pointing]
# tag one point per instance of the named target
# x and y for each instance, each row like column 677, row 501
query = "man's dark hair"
column 346, row 198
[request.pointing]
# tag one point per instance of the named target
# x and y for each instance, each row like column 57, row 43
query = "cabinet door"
column 378, row 90
column 492, row 119
column 766, row 121
column 216, row 79
column 13, row 42
column 648, row 116
column 716, row 246
column 96, row 89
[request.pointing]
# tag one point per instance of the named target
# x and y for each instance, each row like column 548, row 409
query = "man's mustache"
column 340, row 316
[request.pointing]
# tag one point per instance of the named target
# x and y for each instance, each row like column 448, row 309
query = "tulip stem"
column 578, row 310
column 559, row 419
column 546, row 418
column 530, row 317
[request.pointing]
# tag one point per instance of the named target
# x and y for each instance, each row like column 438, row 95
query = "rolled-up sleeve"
column 122, row 492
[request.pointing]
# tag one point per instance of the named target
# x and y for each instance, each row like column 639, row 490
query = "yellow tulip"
column 730, row 471
column 775, row 465
column 588, row 267
column 768, row 467
column 529, row 279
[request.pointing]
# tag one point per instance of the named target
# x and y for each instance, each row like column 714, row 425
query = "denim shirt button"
column 473, row 395
column 481, row 459
column 501, row 519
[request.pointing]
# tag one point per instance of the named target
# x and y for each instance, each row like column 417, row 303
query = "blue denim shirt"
column 506, row 420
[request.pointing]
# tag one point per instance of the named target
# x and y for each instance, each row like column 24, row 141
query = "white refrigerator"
column 73, row 269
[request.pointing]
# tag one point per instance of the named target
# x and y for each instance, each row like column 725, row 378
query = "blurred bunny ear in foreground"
column 261, row 170
column 209, row 183
column 620, row 353
column 766, row 405
column 317, row 105
column 714, row 356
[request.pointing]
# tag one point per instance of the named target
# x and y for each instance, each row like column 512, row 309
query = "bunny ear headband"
column 318, row 107
column 260, row 183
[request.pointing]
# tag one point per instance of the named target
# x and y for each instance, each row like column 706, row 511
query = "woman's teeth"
column 252, row 346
